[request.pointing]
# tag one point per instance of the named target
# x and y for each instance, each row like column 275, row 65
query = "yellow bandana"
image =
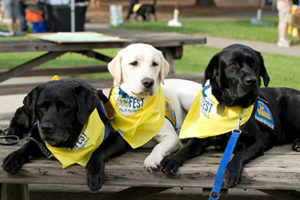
column 89, row 140
column 203, row 119
column 136, row 7
column 137, row 119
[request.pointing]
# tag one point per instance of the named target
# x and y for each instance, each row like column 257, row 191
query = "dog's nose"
column 148, row 82
column 47, row 127
column 250, row 80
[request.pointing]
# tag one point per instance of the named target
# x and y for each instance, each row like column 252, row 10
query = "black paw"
column 95, row 181
column 95, row 174
column 233, row 175
column 13, row 162
column 170, row 164
column 296, row 145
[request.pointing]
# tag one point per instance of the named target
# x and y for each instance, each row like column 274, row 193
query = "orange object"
column 34, row 16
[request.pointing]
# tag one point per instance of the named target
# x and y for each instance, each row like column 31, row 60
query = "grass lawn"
column 283, row 70
column 237, row 29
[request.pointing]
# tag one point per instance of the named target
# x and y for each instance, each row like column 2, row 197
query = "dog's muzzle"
column 148, row 83
column 250, row 80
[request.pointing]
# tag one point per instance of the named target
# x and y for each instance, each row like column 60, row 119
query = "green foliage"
column 237, row 29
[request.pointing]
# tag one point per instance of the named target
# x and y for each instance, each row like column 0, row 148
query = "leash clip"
column 241, row 115
column 213, row 196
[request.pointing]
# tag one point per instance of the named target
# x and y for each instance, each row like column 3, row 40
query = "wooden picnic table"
column 276, row 173
column 171, row 44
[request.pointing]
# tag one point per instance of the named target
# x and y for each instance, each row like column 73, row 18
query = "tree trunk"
column 205, row 3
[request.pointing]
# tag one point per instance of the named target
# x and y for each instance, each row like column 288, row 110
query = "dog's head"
column 234, row 75
column 139, row 69
column 61, row 108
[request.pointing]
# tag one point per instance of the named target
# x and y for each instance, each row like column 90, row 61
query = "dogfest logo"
column 129, row 105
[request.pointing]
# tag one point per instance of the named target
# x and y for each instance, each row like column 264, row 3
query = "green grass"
column 283, row 70
column 10, row 60
column 4, row 27
column 237, row 29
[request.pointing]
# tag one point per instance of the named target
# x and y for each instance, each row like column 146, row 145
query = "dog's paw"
column 13, row 162
column 296, row 145
column 95, row 181
column 233, row 175
column 170, row 164
column 95, row 175
column 151, row 162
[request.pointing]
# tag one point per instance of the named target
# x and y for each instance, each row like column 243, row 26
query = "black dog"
column 143, row 10
column 55, row 113
column 234, row 75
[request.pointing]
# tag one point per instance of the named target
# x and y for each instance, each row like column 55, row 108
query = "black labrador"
column 55, row 112
column 145, row 10
column 234, row 75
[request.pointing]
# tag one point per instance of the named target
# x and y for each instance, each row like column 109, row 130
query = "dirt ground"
column 99, row 11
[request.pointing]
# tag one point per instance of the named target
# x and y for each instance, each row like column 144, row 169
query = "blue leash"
column 215, row 192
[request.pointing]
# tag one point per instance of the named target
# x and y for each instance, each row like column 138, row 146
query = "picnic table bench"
column 276, row 173
column 171, row 44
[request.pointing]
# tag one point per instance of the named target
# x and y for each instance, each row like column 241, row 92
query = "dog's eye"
column 45, row 105
column 233, row 64
column 154, row 64
column 134, row 63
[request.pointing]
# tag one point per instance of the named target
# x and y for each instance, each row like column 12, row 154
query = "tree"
column 205, row 3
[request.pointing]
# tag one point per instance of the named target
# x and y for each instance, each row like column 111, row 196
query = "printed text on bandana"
column 130, row 105
column 205, row 106
column 81, row 142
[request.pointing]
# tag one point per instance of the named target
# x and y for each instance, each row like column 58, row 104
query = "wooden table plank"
column 29, row 65
column 262, row 173
column 97, row 83
column 38, row 45
column 155, row 39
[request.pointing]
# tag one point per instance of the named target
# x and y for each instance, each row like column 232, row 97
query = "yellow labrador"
column 139, row 70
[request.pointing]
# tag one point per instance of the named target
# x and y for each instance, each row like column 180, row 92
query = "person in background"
column 1, row 10
column 11, row 15
column 22, row 15
column 284, row 8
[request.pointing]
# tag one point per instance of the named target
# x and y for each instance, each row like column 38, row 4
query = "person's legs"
column 16, row 15
column 22, row 15
column 284, row 15
column 19, row 25
column 10, row 26
column 282, row 27
column 9, row 17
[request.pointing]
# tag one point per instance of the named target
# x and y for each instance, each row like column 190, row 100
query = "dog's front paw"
column 95, row 175
column 170, row 164
column 95, row 181
column 233, row 175
column 151, row 162
column 296, row 145
column 13, row 162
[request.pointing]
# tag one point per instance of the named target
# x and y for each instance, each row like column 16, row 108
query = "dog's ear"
column 29, row 102
column 24, row 117
column 210, row 69
column 86, row 100
column 262, row 70
column 165, row 68
column 115, row 68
